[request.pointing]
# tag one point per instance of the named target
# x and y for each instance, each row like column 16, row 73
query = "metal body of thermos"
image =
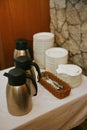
column 29, row 67
column 18, row 93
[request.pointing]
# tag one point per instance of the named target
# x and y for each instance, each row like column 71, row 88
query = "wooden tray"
column 59, row 93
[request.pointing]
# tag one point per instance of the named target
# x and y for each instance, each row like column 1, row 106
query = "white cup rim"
column 54, row 52
column 69, row 69
column 43, row 36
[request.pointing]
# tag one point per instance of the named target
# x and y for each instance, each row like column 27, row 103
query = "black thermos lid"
column 23, row 62
column 16, row 77
column 21, row 44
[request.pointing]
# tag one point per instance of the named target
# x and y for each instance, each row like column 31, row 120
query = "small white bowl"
column 70, row 73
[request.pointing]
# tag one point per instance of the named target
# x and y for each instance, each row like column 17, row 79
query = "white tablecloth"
column 48, row 112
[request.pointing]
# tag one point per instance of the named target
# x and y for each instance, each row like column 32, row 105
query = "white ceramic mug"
column 54, row 57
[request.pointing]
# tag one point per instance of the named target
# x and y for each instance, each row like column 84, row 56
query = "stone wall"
column 68, row 21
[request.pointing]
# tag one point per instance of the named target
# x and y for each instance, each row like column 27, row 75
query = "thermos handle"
column 33, row 81
column 6, row 74
column 37, row 69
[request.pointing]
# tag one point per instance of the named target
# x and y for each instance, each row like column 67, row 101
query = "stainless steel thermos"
column 26, row 63
column 22, row 48
column 21, row 85
column 18, row 93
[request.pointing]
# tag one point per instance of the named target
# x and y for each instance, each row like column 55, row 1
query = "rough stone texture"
column 59, row 4
column 69, row 24
column 71, row 15
column 74, row 1
column 75, row 33
column 72, row 46
column 83, row 45
column 59, row 38
column 60, row 19
column 84, row 27
column 82, row 10
column 65, row 31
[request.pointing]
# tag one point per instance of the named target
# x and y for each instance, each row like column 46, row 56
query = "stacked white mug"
column 54, row 57
column 41, row 42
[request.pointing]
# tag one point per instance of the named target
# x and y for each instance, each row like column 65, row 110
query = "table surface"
column 48, row 112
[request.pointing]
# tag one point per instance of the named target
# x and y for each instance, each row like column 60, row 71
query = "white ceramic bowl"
column 70, row 73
